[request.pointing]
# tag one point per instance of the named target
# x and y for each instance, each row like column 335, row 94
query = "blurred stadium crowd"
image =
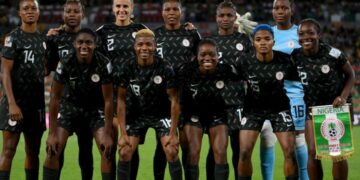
column 340, row 20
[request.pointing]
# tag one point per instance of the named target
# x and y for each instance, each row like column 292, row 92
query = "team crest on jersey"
column 12, row 123
column 279, row 76
column 95, row 78
column 239, row 47
column 44, row 45
column 243, row 121
column 59, row 68
column 325, row 69
column 220, row 84
column 133, row 35
column 194, row 119
column 157, row 79
column 8, row 41
column 186, row 42
column 291, row 44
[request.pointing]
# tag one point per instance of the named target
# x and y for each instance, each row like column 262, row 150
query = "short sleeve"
column 9, row 49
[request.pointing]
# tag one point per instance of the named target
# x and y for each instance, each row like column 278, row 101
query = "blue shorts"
column 295, row 92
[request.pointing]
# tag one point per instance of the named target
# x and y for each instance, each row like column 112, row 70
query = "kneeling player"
column 203, row 87
column 85, row 79
column 150, row 82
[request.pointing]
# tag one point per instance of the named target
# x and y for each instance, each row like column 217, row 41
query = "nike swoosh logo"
column 299, row 67
column 111, row 36
column 60, row 47
column 252, row 76
column 72, row 78
column 27, row 47
column 160, row 44
column 132, row 80
column 193, row 85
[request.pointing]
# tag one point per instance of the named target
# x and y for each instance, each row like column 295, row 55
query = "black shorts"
column 75, row 119
column 33, row 120
column 280, row 122
column 206, row 123
column 234, row 115
column 139, row 126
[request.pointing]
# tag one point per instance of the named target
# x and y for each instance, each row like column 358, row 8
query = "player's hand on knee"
column 124, row 142
column 52, row 145
column 189, row 26
column 245, row 25
column 172, row 141
column 15, row 113
column 54, row 31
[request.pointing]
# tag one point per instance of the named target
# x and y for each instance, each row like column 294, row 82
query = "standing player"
column 176, row 44
column 22, row 109
column 203, row 85
column 328, row 78
column 117, row 43
column 117, row 39
column 150, row 82
column 81, row 74
column 60, row 44
column 231, row 45
column 286, row 40
column 265, row 72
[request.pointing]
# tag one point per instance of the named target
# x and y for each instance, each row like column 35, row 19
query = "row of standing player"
column 109, row 42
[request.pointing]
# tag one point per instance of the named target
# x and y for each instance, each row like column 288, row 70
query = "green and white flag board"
column 333, row 132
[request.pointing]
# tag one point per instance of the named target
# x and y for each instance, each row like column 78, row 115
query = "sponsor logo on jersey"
column 111, row 36
column 95, row 78
column 325, row 69
column 27, row 47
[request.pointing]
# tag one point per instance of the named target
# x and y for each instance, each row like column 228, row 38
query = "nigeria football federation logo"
column 332, row 129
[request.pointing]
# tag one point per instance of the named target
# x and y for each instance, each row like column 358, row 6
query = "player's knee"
column 32, row 151
column 194, row 155
column 300, row 140
column 220, row 155
column 245, row 155
column 289, row 152
column 9, row 152
column 125, row 154
column 267, row 137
